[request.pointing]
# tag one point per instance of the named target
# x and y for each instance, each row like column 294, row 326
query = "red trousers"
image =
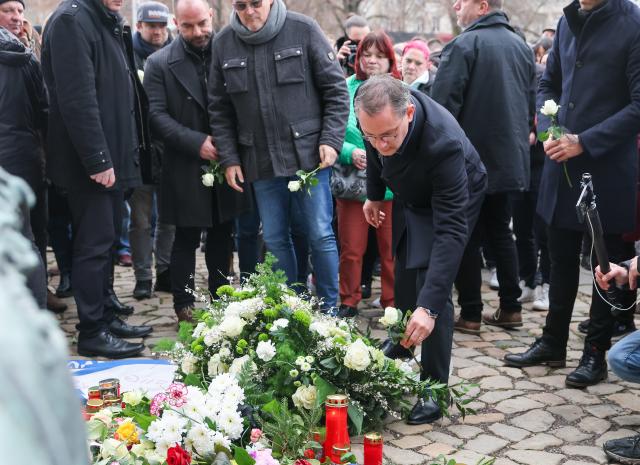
column 352, row 234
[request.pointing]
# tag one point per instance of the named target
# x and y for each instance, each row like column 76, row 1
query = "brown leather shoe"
column 54, row 304
column 466, row 327
column 185, row 314
column 503, row 319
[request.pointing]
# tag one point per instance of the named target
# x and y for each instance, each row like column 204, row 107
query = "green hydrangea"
column 242, row 343
column 297, row 383
column 303, row 316
column 225, row 290
column 262, row 337
column 270, row 312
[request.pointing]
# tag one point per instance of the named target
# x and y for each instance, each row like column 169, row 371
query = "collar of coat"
column 108, row 17
column 12, row 51
column 599, row 14
column 495, row 18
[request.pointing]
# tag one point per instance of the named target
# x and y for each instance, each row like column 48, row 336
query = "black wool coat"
column 97, row 116
column 485, row 80
column 440, row 180
column 593, row 72
column 178, row 115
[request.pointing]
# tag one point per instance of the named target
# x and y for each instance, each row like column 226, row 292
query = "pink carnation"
column 157, row 403
column 263, row 457
column 177, row 394
column 256, row 434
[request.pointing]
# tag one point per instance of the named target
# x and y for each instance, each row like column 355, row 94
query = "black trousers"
column 97, row 221
column 218, row 252
column 59, row 228
column 38, row 216
column 531, row 239
column 564, row 251
column 494, row 219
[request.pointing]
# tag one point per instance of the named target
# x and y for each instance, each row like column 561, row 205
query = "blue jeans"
column 276, row 206
column 624, row 358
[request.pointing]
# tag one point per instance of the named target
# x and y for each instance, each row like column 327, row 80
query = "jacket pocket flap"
column 245, row 138
column 288, row 53
column 306, row 127
column 234, row 63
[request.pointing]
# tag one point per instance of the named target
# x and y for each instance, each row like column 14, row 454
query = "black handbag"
column 348, row 182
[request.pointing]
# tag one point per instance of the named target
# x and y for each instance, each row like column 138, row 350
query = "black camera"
column 350, row 62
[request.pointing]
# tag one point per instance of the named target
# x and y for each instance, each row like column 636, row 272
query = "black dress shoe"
column 394, row 351
column 121, row 328
column 591, row 370
column 583, row 326
column 114, row 304
column 625, row 450
column 64, row 286
column 347, row 312
column 142, row 290
column 163, row 281
column 366, row 290
column 105, row 344
column 54, row 304
column 425, row 411
column 540, row 353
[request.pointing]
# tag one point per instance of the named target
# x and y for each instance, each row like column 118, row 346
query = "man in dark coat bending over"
column 417, row 149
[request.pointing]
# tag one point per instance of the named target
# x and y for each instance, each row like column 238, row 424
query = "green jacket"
column 353, row 137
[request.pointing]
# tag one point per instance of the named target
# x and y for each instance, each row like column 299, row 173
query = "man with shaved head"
column 175, row 80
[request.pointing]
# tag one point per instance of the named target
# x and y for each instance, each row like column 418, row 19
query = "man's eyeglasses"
column 241, row 6
column 385, row 138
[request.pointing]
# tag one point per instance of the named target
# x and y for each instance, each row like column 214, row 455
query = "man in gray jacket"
column 278, row 103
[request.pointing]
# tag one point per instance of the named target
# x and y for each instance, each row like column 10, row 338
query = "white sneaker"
column 528, row 294
column 493, row 282
column 376, row 303
column 542, row 301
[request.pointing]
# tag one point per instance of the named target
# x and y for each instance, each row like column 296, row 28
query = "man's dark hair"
column 379, row 91
column 355, row 21
column 495, row 4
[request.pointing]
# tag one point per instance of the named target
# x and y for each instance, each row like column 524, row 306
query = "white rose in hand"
column 294, row 186
column 357, row 356
column 208, row 179
column 305, row 397
column 550, row 108
column 391, row 316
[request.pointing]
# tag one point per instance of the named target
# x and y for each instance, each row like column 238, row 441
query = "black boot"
column 424, row 411
column 625, row 450
column 591, row 370
column 540, row 353
column 163, row 281
column 583, row 326
column 394, row 351
column 114, row 304
column 105, row 344
column 121, row 328
column 142, row 290
column 64, row 286
column 347, row 312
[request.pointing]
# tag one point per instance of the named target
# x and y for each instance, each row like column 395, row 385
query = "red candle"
column 336, row 431
column 372, row 449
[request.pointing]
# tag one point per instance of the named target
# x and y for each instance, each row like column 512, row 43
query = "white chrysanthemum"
column 357, row 356
column 224, row 353
column 320, row 327
column 211, row 336
column 265, row 350
column 280, row 323
column 230, row 423
column 232, row 326
column 234, row 309
column 189, row 362
column 201, row 439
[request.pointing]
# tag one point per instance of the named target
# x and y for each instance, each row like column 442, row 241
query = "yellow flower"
column 127, row 432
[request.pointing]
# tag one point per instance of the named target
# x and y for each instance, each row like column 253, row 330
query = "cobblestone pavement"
column 523, row 417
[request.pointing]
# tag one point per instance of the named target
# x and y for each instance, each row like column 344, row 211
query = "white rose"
column 265, row 350
column 114, row 449
column 208, row 179
column 188, row 365
column 132, row 398
column 294, row 186
column 391, row 316
column 211, row 337
column 280, row 323
column 357, row 356
column 550, row 108
column 305, row 397
column 224, row 352
column 232, row 326
column 215, row 366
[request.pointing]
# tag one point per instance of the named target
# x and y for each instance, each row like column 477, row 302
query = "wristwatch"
column 429, row 313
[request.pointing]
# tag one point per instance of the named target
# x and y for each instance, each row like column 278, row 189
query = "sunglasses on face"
column 241, row 6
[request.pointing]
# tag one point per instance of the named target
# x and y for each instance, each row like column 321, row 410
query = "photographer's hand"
column 344, row 51
column 618, row 273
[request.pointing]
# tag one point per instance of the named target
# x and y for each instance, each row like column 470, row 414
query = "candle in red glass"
column 338, row 451
column 372, row 449
column 336, row 431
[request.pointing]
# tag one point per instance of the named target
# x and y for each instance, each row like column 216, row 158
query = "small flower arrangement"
column 306, row 180
column 213, row 174
column 555, row 131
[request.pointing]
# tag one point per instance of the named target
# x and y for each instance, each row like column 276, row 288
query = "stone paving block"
column 465, row 431
column 594, row 425
column 547, row 398
column 511, row 372
column 464, row 352
column 491, row 336
column 494, row 352
column 402, row 456
column 571, row 434
column 477, row 371
column 493, row 397
column 475, row 344
column 486, row 444
column 489, row 361
column 410, row 442
column 402, row 428
column 578, row 462
column 458, row 362
column 617, row 434
column 465, row 456
column 437, row 448
column 604, row 389
column 534, row 457
column 503, row 461
column 517, row 405
column 540, row 441
column 569, row 413
column 556, row 381
column 484, row 418
column 627, row 420
column 536, row 371
column 626, row 400
column 496, row 382
column 604, row 411
column 576, row 396
column 437, row 436
column 509, row 432
column 536, row 421
column 528, row 386
column 594, row 453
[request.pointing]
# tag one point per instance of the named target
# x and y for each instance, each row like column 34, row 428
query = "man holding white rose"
column 594, row 77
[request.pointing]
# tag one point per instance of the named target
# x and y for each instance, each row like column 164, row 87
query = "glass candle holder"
column 338, row 451
column 336, row 423
column 373, row 449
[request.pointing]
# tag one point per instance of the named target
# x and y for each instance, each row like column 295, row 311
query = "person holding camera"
column 356, row 28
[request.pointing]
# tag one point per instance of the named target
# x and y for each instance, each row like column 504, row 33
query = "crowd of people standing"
column 431, row 158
